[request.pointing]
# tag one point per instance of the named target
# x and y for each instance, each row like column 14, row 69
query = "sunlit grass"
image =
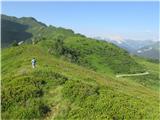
column 57, row 89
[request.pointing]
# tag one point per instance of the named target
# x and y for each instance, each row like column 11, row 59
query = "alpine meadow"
column 75, row 77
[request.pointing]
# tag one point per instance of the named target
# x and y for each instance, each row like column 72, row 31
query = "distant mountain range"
column 150, row 51
column 144, row 48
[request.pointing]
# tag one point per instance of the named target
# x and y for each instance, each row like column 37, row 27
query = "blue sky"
column 115, row 20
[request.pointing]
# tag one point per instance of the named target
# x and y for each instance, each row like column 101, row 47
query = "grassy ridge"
column 101, row 57
column 60, row 90
column 74, row 77
column 97, row 55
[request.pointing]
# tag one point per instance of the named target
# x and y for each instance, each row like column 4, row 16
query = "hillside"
column 19, row 29
column 75, row 77
column 99, row 56
column 60, row 90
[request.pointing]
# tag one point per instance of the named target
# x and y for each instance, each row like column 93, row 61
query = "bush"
column 14, row 44
column 28, row 92
column 50, row 77
column 79, row 91
column 107, row 104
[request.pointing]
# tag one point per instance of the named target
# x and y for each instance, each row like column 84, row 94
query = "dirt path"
column 137, row 74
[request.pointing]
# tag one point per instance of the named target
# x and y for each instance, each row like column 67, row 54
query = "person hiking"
column 33, row 63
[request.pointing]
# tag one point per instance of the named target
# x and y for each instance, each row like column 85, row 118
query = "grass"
column 152, row 79
column 57, row 89
column 98, row 55
column 74, row 78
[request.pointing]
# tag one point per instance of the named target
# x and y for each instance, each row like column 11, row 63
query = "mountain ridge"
column 74, row 78
column 58, row 37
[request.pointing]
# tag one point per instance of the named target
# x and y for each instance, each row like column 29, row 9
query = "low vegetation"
column 61, row 90
column 74, row 77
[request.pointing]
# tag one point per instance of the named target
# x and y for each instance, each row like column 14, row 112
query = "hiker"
column 33, row 63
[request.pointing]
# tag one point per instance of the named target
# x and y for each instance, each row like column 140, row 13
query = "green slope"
column 28, row 29
column 100, row 56
column 153, row 78
column 97, row 55
column 62, row 90
column 74, row 78
column 100, row 53
column 19, row 29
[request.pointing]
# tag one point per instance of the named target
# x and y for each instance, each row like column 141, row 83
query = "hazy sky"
column 116, row 20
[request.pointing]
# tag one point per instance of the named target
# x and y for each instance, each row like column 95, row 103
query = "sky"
column 114, row 20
